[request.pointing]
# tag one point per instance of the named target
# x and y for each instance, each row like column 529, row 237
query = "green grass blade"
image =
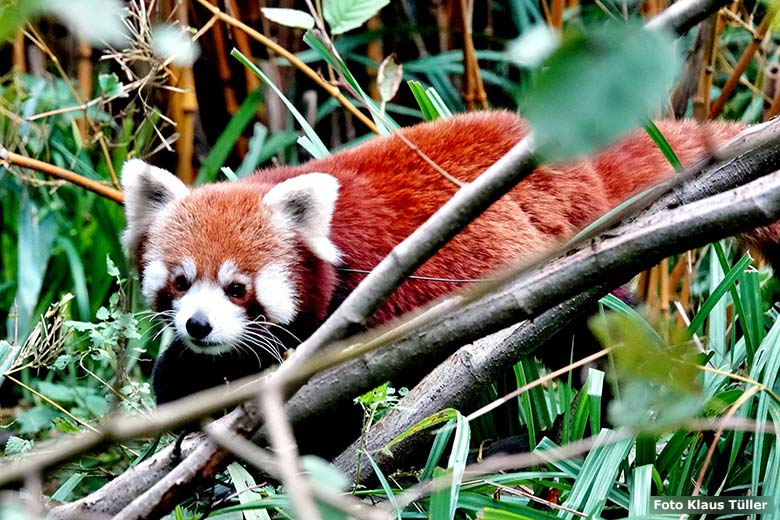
column 458, row 458
column 384, row 125
column 660, row 141
column 37, row 231
column 595, row 389
column 385, row 485
column 252, row 159
column 227, row 140
column 429, row 110
column 66, row 489
column 245, row 488
column 437, row 449
column 641, row 486
column 750, row 311
column 598, row 474
column 318, row 147
column 78, row 275
column 719, row 291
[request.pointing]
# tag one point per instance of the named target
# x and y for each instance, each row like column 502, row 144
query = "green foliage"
column 345, row 15
column 17, row 446
column 589, row 87
column 622, row 74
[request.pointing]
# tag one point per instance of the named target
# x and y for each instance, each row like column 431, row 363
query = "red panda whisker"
column 241, row 345
column 423, row 278
column 264, row 342
column 267, row 338
column 265, row 345
column 280, row 327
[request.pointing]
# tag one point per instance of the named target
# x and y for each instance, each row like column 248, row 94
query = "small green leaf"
column 62, row 424
column 36, row 419
column 345, row 15
column 289, row 17
column 17, row 446
column 171, row 42
column 111, row 268
column 597, row 85
column 246, row 488
column 102, row 314
column 13, row 14
column 110, row 85
column 62, row 361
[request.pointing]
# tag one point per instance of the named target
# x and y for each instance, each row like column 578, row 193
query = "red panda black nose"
column 198, row 326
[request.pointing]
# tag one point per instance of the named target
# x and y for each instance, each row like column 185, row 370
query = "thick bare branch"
column 682, row 16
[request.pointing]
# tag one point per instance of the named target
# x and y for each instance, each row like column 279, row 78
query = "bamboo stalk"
column 739, row 69
column 475, row 89
column 294, row 61
column 223, row 69
column 664, row 286
column 375, row 53
column 14, row 159
column 84, row 77
column 242, row 43
column 701, row 100
column 652, row 288
column 19, row 59
column 184, row 104
column 556, row 14
column 772, row 88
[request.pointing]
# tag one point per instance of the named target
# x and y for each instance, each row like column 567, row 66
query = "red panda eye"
column 181, row 283
column 236, row 290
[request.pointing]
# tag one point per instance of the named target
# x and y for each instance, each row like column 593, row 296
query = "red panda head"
column 224, row 262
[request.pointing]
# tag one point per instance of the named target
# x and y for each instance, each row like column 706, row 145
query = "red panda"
column 238, row 269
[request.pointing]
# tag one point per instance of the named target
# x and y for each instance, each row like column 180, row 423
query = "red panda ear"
column 305, row 204
column 148, row 191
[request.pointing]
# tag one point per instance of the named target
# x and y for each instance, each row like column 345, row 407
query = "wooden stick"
column 556, row 16
column 701, row 100
column 84, row 76
column 15, row 159
column 294, row 61
column 19, row 59
column 242, row 43
column 475, row 89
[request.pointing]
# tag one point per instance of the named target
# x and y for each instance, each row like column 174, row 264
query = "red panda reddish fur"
column 387, row 191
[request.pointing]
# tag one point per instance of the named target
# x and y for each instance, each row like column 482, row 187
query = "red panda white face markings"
column 276, row 292
column 225, row 258
column 155, row 277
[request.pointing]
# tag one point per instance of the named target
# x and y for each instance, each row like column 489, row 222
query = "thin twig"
column 15, row 159
column 741, row 66
column 294, row 61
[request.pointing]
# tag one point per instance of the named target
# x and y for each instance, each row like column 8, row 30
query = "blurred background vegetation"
column 77, row 342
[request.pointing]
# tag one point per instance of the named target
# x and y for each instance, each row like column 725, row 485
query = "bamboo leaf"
column 289, row 17
column 345, row 15
column 622, row 74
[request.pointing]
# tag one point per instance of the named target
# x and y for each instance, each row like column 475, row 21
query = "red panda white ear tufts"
column 148, row 191
column 306, row 204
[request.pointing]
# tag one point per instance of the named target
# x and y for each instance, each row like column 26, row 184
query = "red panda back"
column 387, row 191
